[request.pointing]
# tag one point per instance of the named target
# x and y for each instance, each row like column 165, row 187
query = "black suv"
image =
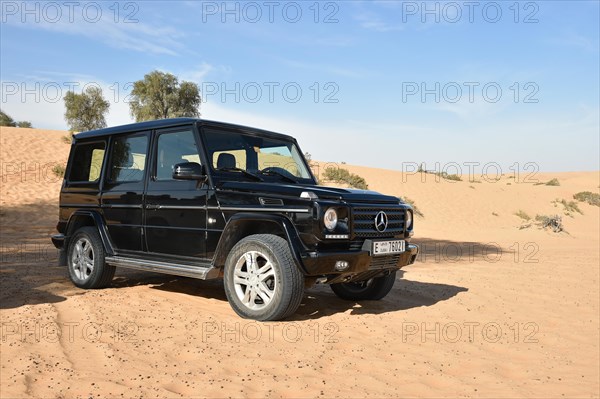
column 209, row 200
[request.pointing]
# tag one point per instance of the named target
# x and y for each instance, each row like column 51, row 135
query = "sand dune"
column 489, row 310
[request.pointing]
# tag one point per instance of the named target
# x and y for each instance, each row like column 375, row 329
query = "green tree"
column 86, row 111
column 160, row 95
column 6, row 120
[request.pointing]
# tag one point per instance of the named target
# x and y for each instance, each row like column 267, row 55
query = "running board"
column 201, row 272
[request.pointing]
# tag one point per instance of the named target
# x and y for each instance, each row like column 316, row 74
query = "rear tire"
column 262, row 281
column 85, row 260
column 373, row 289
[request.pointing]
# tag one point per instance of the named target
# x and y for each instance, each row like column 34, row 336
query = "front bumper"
column 323, row 263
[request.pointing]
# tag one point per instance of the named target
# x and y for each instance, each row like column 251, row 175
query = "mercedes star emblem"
column 381, row 222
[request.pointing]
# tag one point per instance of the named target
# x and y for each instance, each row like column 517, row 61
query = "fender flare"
column 98, row 222
column 239, row 227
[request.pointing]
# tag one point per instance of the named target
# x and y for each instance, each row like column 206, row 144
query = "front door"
column 175, row 209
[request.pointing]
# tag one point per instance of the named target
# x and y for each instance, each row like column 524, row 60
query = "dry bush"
column 413, row 205
column 59, row 170
column 570, row 207
column 341, row 175
column 588, row 197
column 523, row 215
column 554, row 222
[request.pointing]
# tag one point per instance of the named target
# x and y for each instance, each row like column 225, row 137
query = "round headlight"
column 409, row 220
column 330, row 219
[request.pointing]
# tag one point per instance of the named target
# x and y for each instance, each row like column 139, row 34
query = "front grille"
column 364, row 221
column 384, row 262
column 356, row 245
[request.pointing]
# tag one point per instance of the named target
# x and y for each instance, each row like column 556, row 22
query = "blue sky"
column 377, row 83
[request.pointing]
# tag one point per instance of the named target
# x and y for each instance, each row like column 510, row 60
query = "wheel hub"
column 254, row 280
column 82, row 259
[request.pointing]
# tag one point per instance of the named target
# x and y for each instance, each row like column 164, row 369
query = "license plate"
column 388, row 247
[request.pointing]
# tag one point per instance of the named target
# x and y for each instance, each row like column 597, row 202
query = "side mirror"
column 189, row 171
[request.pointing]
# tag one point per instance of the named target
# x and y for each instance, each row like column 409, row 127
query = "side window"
column 128, row 159
column 174, row 148
column 87, row 162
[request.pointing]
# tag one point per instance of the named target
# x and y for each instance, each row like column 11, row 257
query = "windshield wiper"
column 244, row 171
column 277, row 173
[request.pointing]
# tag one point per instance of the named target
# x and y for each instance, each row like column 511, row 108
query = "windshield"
column 275, row 159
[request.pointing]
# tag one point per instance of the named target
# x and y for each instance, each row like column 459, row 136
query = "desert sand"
column 488, row 310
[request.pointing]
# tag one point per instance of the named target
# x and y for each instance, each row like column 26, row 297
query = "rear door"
column 122, row 197
column 175, row 210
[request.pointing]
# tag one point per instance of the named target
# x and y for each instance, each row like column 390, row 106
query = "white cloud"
column 373, row 22
column 331, row 69
column 198, row 74
column 40, row 100
column 132, row 35
column 578, row 41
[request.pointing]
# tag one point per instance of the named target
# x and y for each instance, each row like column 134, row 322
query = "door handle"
column 152, row 206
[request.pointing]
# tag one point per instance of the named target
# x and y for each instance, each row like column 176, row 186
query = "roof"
column 165, row 123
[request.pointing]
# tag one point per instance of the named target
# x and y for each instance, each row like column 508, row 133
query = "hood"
column 294, row 190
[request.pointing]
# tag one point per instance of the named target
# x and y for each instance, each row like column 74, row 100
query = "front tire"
column 262, row 281
column 374, row 289
column 85, row 260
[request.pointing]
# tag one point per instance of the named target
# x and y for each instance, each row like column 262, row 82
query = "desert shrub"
column 569, row 207
column 553, row 182
column 449, row 177
column 341, row 175
column 588, row 197
column 553, row 222
column 414, row 206
column 523, row 215
column 453, row 177
column 59, row 170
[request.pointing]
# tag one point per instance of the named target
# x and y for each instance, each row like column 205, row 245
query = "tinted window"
column 128, row 159
column 87, row 162
column 174, row 148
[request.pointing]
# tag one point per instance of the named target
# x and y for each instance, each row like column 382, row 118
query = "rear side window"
column 87, row 162
column 128, row 159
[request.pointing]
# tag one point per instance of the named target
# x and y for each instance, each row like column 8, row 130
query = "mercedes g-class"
column 208, row 200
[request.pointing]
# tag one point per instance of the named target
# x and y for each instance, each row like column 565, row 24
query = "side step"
column 203, row 272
